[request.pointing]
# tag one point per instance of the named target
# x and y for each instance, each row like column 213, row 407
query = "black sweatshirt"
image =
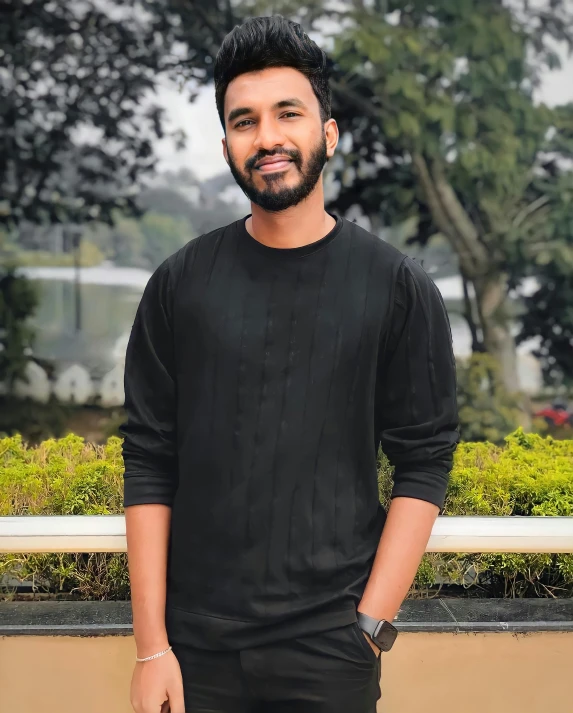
column 259, row 383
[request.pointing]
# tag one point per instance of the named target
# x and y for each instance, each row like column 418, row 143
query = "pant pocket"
column 366, row 648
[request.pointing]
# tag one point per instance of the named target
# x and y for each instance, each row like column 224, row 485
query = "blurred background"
column 456, row 121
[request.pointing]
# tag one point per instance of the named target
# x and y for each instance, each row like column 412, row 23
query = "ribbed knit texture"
column 259, row 383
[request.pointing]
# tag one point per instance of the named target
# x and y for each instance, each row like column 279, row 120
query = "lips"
column 273, row 163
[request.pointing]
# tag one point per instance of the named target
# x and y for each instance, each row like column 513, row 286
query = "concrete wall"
column 429, row 672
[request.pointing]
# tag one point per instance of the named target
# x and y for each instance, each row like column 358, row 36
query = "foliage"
column 163, row 236
column 437, row 103
column 143, row 242
column 18, row 299
column 487, row 411
column 116, row 419
column 181, row 194
column 177, row 208
column 65, row 477
column 528, row 475
column 76, row 122
column 450, row 82
column 90, row 255
column 36, row 421
column 548, row 313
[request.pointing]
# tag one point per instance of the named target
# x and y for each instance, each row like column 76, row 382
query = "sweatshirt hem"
column 213, row 632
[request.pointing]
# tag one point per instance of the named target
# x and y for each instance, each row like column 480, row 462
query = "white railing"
column 106, row 533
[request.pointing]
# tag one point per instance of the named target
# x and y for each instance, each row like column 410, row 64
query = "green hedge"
column 528, row 475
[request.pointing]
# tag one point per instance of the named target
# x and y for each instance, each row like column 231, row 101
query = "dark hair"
column 263, row 42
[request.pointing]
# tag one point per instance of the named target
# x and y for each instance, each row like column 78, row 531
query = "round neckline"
column 300, row 251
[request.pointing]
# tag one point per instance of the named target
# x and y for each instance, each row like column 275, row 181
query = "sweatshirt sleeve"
column 416, row 400
column 149, row 431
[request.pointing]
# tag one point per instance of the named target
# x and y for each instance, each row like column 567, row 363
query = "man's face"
column 276, row 144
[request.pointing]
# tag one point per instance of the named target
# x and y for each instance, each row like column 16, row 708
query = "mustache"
column 293, row 154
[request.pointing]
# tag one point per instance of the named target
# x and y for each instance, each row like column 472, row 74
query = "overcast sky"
column 203, row 153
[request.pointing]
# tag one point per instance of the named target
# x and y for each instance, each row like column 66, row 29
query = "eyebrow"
column 242, row 110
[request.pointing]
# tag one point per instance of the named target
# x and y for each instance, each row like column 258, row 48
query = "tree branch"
column 529, row 209
column 439, row 215
column 477, row 343
column 465, row 229
column 363, row 104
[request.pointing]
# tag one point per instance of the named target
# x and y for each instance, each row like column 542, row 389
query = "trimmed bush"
column 528, row 475
column 65, row 476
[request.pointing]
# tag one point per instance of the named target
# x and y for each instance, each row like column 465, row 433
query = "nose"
column 269, row 135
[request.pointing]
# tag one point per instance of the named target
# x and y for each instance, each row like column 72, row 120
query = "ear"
column 332, row 135
column 225, row 151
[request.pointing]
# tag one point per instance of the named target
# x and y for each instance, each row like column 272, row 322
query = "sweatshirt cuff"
column 429, row 485
column 142, row 489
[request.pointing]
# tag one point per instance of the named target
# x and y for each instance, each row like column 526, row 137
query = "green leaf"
column 392, row 127
column 413, row 44
column 434, row 111
column 468, row 125
column 409, row 124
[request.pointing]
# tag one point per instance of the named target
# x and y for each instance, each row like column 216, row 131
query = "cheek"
column 242, row 146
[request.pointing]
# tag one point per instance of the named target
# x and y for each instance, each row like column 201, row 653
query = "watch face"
column 385, row 636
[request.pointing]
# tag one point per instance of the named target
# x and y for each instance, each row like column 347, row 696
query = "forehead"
column 266, row 87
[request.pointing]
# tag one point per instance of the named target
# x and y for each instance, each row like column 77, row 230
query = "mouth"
column 275, row 164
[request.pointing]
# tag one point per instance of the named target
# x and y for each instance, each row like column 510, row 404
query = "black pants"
column 335, row 671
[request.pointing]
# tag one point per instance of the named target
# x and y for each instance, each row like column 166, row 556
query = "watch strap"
column 367, row 623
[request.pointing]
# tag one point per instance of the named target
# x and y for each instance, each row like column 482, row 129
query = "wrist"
column 151, row 648
column 382, row 632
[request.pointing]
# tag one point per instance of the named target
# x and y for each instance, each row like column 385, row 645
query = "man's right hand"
column 157, row 686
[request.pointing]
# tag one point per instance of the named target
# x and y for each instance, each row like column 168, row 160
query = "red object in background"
column 558, row 417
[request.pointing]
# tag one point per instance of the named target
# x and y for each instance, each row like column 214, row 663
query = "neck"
column 300, row 225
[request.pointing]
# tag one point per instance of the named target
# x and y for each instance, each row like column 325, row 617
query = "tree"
column 76, row 129
column 437, row 103
column 164, row 235
column 18, row 299
column 181, row 194
column 548, row 313
column 141, row 242
column 437, row 100
column 487, row 412
column 76, row 119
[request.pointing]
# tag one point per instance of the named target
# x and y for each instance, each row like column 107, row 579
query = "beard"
column 277, row 197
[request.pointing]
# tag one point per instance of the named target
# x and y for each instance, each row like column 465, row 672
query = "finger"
column 177, row 703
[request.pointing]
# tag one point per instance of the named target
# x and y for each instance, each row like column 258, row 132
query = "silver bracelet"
column 148, row 658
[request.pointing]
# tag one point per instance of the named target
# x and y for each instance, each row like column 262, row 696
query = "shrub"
column 36, row 421
column 65, row 477
column 487, row 411
column 528, row 475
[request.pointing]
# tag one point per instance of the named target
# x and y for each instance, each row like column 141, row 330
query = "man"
column 267, row 362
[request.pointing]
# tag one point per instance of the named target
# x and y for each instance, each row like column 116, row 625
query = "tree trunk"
column 492, row 302
column 478, row 265
column 468, row 313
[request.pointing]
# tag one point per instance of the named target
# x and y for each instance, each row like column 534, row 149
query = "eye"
column 244, row 122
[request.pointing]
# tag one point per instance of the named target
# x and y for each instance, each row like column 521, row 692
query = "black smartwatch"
column 382, row 632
